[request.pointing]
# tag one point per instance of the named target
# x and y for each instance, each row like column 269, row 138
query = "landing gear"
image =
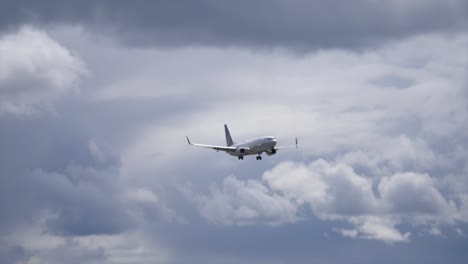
column 241, row 157
column 259, row 157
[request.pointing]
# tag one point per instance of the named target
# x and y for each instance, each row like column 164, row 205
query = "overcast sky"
column 96, row 98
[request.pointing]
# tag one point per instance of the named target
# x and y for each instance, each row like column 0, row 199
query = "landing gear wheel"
column 259, row 157
column 241, row 157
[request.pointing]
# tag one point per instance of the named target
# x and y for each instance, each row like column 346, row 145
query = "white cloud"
column 393, row 154
column 328, row 99
column 245, row 202
column 379, row 228
column 334, row 192
column 415, row 194
column 331, row 190
column 34, row 71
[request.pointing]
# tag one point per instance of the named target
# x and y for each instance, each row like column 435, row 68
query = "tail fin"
column 229, row 141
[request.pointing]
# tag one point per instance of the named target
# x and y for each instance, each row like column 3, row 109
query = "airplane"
column 251, row 147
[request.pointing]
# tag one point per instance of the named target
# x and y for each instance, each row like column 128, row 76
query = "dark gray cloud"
column 298, row 24
column 81, row 200
column 14, row 254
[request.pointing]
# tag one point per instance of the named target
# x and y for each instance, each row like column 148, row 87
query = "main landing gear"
column 242, row 157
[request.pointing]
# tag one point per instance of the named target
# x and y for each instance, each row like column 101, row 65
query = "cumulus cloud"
column 244, row 202
column 334, row 192
column 378, row 228
column 330, row 190
column 413, row 193
column 348, row 196
column 34, row 71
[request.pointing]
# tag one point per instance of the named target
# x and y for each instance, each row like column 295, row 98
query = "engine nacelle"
column 241, row 151
column 271, row 152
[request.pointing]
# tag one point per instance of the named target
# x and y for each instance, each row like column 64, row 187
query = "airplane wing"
column 217, row 148
column 285, row 147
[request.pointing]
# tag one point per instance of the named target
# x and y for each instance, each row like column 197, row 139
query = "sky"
column 96, row 98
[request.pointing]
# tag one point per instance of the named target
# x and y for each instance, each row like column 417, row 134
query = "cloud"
column 323, row 92
column 242, row 203
column 69, row 251
column 463, row 213
column 302, row 25
column 376, row 161
column 334, row 192
column 35, row 70
column 14, row 254
column 40, row 247
column 81, row 200
column 364, row 140
column 412, row 193
column 142, row 196
column 330, row 190
column 82, row 212
column 378, row 228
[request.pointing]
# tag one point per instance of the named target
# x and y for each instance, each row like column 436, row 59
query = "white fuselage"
column 254, row 147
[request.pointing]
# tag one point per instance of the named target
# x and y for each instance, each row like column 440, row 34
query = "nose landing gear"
column 259, row 157
column 241, row 157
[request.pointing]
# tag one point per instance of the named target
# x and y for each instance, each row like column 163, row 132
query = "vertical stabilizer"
column 229, row 141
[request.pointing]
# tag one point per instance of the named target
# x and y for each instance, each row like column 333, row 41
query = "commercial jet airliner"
column 251, row 147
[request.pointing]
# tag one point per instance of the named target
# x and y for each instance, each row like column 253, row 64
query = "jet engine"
column 271, row 151
column 241, row 151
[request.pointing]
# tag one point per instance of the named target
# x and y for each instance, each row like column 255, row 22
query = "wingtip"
column 188, row 140
column 296, row 143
